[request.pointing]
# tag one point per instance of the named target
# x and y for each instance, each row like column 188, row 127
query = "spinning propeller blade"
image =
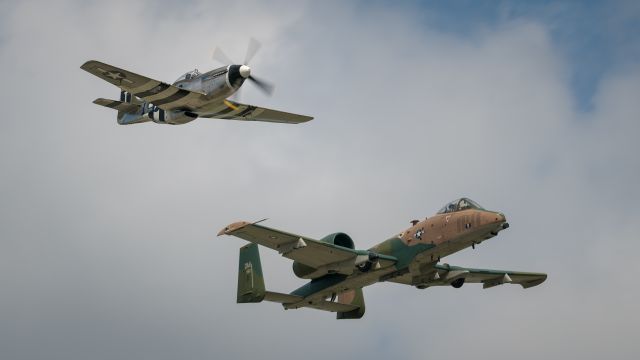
column 220, row 57
column 252, row 49
column 264, row 86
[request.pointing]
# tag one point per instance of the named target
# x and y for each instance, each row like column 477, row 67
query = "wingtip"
column 300, row 120
column 86, row 64
column 530, row 284
column 232, row 227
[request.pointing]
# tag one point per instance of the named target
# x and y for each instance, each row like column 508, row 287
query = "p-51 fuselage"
column 218, row 83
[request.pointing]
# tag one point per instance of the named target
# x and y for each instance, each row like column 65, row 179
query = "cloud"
column 108, row 232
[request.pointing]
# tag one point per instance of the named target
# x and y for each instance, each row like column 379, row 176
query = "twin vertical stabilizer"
column 251, row 289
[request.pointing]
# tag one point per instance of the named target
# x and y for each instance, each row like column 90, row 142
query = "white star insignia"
column 114, row 75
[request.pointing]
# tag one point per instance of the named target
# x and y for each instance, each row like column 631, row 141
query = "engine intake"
column 340, row 239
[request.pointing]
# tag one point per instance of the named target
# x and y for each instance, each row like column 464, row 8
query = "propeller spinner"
column 239, row 73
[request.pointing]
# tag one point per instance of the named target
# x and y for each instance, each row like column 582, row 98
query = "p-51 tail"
column 130, row 109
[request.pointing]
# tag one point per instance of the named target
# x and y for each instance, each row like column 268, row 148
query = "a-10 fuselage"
column 443, row 234
column 460, row 224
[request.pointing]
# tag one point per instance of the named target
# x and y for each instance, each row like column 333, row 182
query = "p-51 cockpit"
column 188, row 75
column 459, row 205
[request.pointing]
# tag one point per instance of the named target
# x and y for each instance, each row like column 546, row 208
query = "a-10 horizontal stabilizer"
column 251, row 289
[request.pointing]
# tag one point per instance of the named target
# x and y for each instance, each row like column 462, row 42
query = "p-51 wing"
column 237, row 111
column 160, row 94
column 325, row 257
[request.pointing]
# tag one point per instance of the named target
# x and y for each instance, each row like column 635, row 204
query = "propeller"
column 265, row 87
column 252, row 49
column 244, row 70
column 219, row 56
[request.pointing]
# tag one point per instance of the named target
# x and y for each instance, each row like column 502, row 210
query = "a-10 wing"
column 307, row 251
column 445, row 274
column 491, row 278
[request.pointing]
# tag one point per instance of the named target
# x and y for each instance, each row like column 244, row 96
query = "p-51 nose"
column 245, row 71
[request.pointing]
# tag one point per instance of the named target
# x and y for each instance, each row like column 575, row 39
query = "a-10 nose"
column 497, row 217
column 500, row 218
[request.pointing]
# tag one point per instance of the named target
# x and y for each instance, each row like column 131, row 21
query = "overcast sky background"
column 107, row 232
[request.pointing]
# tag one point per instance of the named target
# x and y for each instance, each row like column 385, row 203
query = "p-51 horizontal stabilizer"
column 121, row 106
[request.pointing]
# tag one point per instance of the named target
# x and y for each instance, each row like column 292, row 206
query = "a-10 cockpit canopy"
column 459, row 205
column 188, row 75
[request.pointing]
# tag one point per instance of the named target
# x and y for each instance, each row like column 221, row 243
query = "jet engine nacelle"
column 160, row 116
column 340, row 239
column 307, row 272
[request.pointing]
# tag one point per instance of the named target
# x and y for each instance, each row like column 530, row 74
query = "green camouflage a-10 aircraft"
column 338, row 271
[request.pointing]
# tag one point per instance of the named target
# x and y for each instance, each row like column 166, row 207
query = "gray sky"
column 107, row 232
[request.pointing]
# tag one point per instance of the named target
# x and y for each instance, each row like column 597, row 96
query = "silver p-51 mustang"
column 192, row 95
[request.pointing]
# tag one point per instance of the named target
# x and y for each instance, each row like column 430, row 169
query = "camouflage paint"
column 251, row 287
column 411, row 257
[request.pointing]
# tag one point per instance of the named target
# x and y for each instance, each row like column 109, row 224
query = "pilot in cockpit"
column 192, row 74
column 463, row 204
column 189, row 75
column 459, row 205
